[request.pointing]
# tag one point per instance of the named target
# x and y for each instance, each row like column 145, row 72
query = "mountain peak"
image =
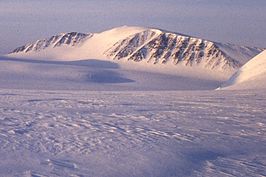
column 140, row 44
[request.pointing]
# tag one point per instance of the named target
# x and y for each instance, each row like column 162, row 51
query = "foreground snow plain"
column 162, row 133
column 70, row 119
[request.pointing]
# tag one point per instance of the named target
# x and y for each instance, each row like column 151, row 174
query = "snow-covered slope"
column 251, row 76
column 92, row 75
column 92, row 47
column 157, row 46
column 142, row 45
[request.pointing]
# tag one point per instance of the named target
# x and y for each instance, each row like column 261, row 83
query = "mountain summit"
column 139, row 44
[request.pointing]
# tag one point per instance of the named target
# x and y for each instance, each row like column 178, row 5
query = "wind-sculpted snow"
column 82, row 133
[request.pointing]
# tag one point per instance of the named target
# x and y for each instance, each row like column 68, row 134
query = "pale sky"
column 235, row 21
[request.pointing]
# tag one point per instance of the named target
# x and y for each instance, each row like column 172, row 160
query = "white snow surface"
column 84, row 133
column 251, row 76
column 99, row 75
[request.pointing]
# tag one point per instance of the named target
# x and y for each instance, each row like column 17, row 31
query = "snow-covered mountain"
column 251, row 76
column 69, row 39
column 156, row 46
column 143, row 45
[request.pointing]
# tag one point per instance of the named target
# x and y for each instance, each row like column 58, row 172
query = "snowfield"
column 110, row 118
column 137, row 133
column 99, row 75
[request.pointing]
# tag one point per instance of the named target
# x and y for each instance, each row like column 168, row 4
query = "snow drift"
column 251, row 76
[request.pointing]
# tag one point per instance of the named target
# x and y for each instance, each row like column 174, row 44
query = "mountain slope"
column 68, row 39
column 156, row 46
column 92, row 46
column 141, row 45
column 251, row 76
